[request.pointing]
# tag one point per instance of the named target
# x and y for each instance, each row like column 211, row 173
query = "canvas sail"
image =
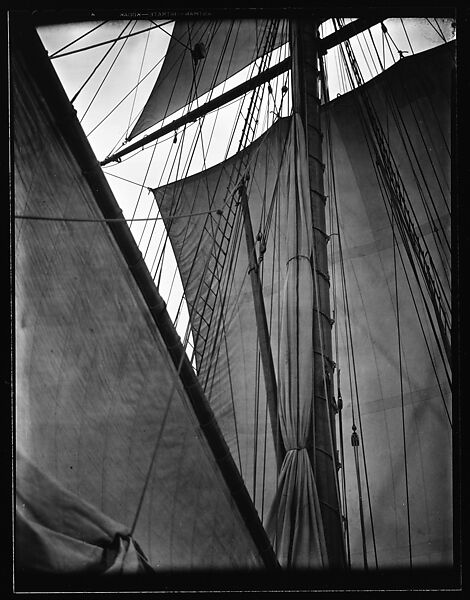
column 229, row 46
column 57, row 532
column 220, row 298
column 225, row 351
column 97, row 392
column 419, row 90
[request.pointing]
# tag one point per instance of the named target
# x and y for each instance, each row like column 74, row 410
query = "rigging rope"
column 199, row 134
column 333, row 200
column 113, row 220
column 105, row 77
column 383, row 192
column 104, row 43
column 349, row 341
column 53, row 55
column 444, row 403
column 404, row 132
column 212, row 361
column 122, row 100
column 237, row 441
column 397, row 308
column 157, row 442
column 138, row 81
column 100, row 62
column 403, row 207
column 224, row 234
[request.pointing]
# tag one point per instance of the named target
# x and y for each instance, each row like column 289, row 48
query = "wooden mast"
column 306, row 102
column 262, row 328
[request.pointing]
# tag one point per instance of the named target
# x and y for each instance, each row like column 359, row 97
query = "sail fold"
column 72, row 537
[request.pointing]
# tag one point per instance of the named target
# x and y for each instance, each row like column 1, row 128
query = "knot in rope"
column 297, row 448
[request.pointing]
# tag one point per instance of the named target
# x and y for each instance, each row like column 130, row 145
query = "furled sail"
column 214, row 274
column 202, row 54
column 295, row 522
column 103, row 419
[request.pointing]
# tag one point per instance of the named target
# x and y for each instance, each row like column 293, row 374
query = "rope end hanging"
column 354, row 437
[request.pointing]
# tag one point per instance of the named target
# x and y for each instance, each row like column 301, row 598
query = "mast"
column 306, row 102
column 262, row 327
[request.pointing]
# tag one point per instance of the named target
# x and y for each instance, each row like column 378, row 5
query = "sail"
column 403, row 390
column 224, row 324
column 295, row 522
column 223, row 321
column 103, row 420
column 229, row 46
column 57, row 532
column 217, row 288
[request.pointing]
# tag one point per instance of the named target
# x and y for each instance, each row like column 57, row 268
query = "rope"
column 376, row 51
column 423, row 296
column 236, row 168
column 112, row 220
column 105, row 77
column 332, row 193
column 354, row 370
column 444, row 403
column 138, row 81
column 212, row 358
column 53, row 55
column 355, row 445
column 123, row 178
column 256, row 419
column 100, row 62
column 199, row 134
column 437, row 30
column 385, row 198
column 121, row 101
column 403, row 206
column 403, row 131
column 173, row 37
column 157, row 442
column 407, row 37
column 401, row 393
column 179, row 154
column 104, row 43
